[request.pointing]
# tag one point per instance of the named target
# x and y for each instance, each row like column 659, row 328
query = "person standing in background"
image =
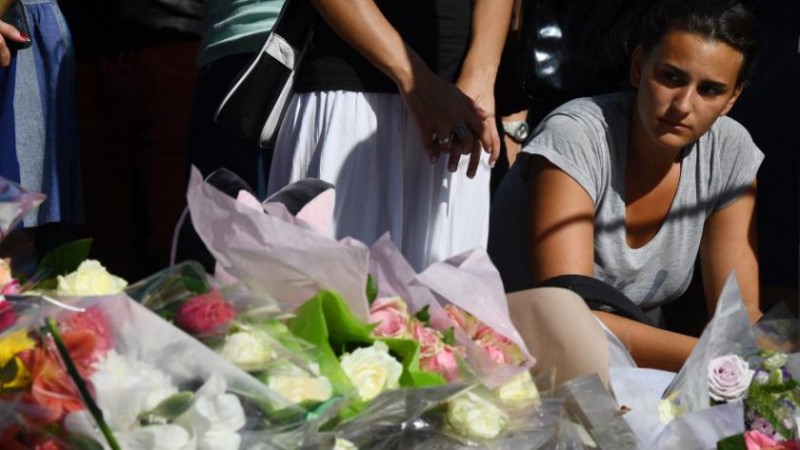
column 136, row 74
column 38, row 131
column 232, row 36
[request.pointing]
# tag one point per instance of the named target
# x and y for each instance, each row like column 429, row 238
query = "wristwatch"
column 517, row 130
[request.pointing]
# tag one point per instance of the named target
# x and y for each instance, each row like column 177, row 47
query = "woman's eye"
column 709, row 91
column 670, row 78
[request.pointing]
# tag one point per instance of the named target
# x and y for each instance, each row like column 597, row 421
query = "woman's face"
column 684, row 85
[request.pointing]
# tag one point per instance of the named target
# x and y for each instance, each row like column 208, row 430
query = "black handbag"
column 577, row 48
column 254, row 106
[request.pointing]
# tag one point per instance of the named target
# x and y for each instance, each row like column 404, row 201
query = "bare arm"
column 562, row 242
column 490, row 23
column 729, row 243
column 437, row 106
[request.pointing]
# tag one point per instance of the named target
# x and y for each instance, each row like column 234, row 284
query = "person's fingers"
column 455, row 157
column 8, row 31
column 474, row 158
column 5, row 53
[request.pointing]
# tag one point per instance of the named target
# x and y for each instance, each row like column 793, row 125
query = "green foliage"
column 735, row 442
column 66, row 258
column 372, row 289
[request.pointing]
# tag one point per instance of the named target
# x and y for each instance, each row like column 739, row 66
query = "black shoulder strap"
column 597, row 293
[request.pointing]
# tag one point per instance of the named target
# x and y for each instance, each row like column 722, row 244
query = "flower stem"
column 52, row 327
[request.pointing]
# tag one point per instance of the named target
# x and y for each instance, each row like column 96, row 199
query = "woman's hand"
column 450, row 122
column 481, row 90
column 9, row 33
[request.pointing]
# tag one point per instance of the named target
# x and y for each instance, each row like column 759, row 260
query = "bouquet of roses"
column 248, row 332
column 108, row 372
column 409, row 336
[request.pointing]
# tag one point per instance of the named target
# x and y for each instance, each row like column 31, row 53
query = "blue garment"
column 38, row 127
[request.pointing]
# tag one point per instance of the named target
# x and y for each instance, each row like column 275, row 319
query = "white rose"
column 519, row 390
column 372, row 370
column 248, row 351
column 475, row 417
column 296, row 385
column 344, row 444
column 215, row 416
column 91, row 278
column 728, row 378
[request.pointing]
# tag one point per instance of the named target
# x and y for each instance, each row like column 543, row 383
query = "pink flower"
column 94, row 322
column 391, row 315
column 430, row 342
column 487, row 333
column 495, row 353
column 755, row 440
column 205, row 314
column 10, row 288
column 7, row 315
column 463, row 319
column 443, row 362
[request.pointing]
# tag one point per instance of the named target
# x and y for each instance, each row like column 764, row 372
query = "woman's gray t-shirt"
column 588, row 139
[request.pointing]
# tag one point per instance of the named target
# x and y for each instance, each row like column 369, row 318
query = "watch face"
column 522, row 132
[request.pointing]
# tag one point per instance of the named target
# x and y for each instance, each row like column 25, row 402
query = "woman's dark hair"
column 726, row 21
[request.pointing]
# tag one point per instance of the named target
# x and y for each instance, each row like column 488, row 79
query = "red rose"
column 205, row 314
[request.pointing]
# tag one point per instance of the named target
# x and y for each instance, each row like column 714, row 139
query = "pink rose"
column 391, row 315
column 205, row 314
column 755, row 440
column 430, row 342
column 7, row 315
column 728, row 378
column 495, row 353
column 485, row 332
column 463, row 319
column 443, row 362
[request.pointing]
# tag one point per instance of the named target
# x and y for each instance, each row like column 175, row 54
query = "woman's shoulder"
column 604, row 110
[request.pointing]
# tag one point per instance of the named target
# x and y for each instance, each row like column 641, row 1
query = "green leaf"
column 735, row 442
column 449, row 336
column 372, row 289
column 9, row 371
column 66, row 258
column 423, row 315
column 169, row 408
column 194, row 281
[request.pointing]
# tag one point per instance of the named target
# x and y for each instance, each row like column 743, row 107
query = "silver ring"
column 462, row 131
column 442, row 140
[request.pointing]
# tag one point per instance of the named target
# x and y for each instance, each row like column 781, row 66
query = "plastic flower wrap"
column 15, row 203
column 244, row 330
column 111, row 372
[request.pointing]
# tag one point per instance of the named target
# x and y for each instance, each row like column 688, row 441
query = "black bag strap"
column 597, row 293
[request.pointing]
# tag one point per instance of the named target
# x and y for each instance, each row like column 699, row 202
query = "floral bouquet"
column 448, row 325
column 247, row 332
column 715, row 395
column 771, row 395
column 107, row 373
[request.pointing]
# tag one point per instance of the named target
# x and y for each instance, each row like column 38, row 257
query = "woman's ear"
column 637, row 59
column 732, row 100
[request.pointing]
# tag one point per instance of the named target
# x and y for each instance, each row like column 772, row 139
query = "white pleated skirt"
column 369, row 147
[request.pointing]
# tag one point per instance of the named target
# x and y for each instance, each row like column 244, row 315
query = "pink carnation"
column 94, row 322
column 443, row 362
column 391, row 315
column 205, row 314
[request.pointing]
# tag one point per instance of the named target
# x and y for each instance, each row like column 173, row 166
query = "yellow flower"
column 91, row 278
column 10, row 347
